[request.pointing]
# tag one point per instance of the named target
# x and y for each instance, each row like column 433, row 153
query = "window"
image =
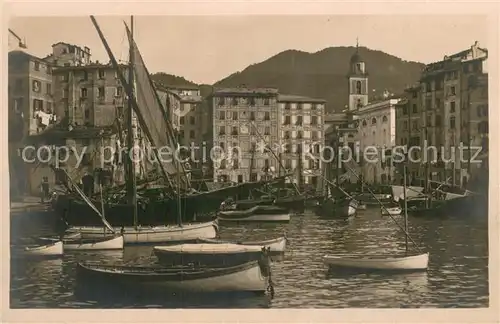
column 49, row 107
column 287, row 135
column 453, row 90
column 452, row 122
column 222, row 130
column 266, row 101
column 240, row 177
column 235, row 115
column 192, row 120
column 314, row 120
column 37, row 66
column 384, row 119
column 405, row 125
column 252, row 115
column 287, row 120
column 429, row 121
column 267, row 130
column 223, row 164
column 358, row 87
column 222, row 115
column 374, row 121
column 482, row 127
column 181, row 120
column 221, row 101
column 314, row 135
column 64, row 77
column 287, row 106
column 299, row 135
column 101, row 73
column 83, row 93
column 87, row 114
column 288, row 148
column 415, row 94
column 428, row 104
column 452, row 106
column 252, row 130
column 49, row 89
column 221, row 145
column 100, row 94
column 191, row 134
column 253, row 177
column 234, row 101
column 251, row 101
column 85, row 76
column 414, row 125
column 234, row 132
column 300, row 106
column 314, row 106
column 37, row 86
column 299, row 120
column 288, row 164
column 364, row 123
column 438, row 121
column 405, row 110
column 414, row 109
column 267, row 115
column 119, row 92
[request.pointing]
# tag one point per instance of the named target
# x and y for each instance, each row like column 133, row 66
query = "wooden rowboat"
column 277, row 245
column 393, row 211
column 256, row 214
column 207, row 254
column 157, row 234
column 250, row 277
column 51, row 249
column 414, row 262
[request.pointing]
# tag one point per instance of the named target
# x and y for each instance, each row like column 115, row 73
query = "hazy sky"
column 205, row 49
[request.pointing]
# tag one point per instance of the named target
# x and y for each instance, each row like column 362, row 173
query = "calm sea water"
column 457, row 274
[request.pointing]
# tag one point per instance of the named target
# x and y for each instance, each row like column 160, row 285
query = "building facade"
column 301, row 137
column 244, row 121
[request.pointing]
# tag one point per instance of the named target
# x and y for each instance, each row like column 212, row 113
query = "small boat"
column 247, row 277
column 51, row 249
column 342, row 208
column 157, row 234
column 106, row 243
column 256, row 214
column 393, row 211
column 413, row 262
column 207, row 254
column 277, row 245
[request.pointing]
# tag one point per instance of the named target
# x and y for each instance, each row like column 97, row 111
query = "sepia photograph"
column 248, row 162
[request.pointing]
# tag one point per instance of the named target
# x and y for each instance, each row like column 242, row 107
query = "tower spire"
column 357, row 44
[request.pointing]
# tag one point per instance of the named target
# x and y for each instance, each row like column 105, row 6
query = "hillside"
column 171, row 80
column 323, row 74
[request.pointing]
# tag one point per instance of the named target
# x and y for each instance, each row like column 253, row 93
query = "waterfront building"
column 301, row 137
column 245, row 120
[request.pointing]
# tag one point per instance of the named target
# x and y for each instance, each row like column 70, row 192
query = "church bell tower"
column 358, row 82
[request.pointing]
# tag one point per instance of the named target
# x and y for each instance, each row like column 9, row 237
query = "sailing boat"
column 408, row 262
column 162, row 136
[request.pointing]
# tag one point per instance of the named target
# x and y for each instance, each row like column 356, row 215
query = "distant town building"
column 244, row 121
column 64, row 54
column 302, row 130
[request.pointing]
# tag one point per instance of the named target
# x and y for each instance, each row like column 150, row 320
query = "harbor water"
column 457, row 274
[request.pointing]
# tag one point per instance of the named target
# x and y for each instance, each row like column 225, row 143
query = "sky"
column 205, row 49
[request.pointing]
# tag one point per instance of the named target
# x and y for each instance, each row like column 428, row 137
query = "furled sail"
column 156, row 120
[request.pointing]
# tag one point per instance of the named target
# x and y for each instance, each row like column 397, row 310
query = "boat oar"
column 382, row 205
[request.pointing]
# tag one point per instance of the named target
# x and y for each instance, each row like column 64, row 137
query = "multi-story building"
column 452, row 102
column 377, row 137
column 302, row 130
column 245, row 121
column 64, row 54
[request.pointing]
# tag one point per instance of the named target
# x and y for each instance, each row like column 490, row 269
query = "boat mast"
column 405, row 208
column 131, row 181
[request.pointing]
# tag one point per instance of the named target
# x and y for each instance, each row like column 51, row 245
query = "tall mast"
column 405, row 207
column 131, row 181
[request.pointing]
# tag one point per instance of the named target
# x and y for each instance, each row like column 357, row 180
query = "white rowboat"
column 52, row 249
column 112, row 243
column 393, row 211
column 158, row 234
column 415, row 262
column 275, row 245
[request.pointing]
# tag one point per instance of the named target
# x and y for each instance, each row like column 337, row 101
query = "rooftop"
column 293, row 98
column 90, row 66
column 84, row 49
column 20, row 53
column 246, row 91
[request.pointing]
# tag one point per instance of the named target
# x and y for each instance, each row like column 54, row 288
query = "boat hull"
column 52, row 249
column 409, row 263
column 392, row 211
column 114, row 243
column 277, row 245
column 249, row 277
column 158, row 234
column 257, row 218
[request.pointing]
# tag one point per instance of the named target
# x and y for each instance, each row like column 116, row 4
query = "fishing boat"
column 406, row 262
column 50, row 249
column 339, row 208
column 153, row 234
column 256, row 214
column 391, row 211
column 414, row 262
column 207, row 254
column 277, row 245
column 247, row 277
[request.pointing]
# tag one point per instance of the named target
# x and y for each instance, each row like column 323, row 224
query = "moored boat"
column 393, row 211
column 277, row 245
column 157, row 234
column 51, row 249
column 105, row 243
column 342, row 208
column 413, row 262
column 207, row 254
column 256, row 214
column 250, row 277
